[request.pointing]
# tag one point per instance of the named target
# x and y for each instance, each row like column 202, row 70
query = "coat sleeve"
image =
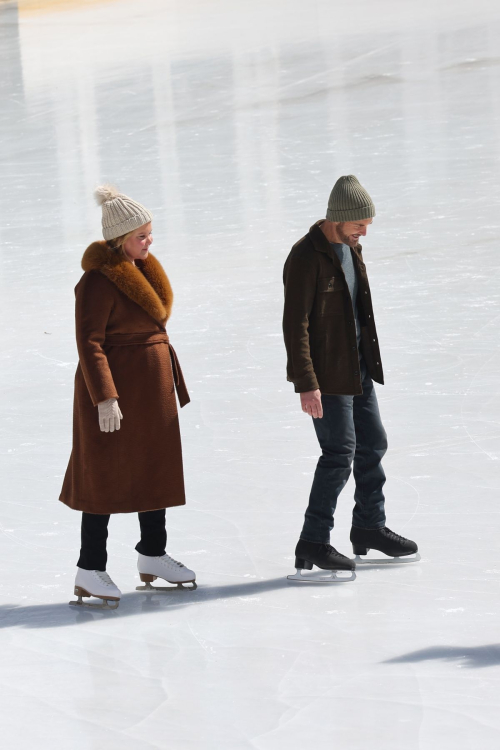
column 94, row 303
column 299, row 278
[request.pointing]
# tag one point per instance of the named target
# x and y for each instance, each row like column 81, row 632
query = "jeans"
column 93, row 555
column 350, row 430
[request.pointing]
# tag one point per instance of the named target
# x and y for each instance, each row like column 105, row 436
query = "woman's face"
column 136, row 247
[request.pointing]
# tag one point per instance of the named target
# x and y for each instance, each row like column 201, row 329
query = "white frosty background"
column 232, row 121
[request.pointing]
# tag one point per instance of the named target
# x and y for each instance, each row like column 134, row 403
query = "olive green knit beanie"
column 349, row 201
column 120, row 214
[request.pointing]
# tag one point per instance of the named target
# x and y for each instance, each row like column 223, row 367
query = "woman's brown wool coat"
column 124, row 353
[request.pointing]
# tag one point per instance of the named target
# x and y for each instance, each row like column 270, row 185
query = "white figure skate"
column 165, row 567
column 96, row 583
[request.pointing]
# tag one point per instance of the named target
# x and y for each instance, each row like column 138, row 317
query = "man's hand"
column 311, row 403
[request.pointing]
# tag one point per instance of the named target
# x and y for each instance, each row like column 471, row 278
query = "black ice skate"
column 326, row 557
column 397, row 548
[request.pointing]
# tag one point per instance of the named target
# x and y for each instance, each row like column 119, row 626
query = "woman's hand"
column 311, row 403
column 109, row 415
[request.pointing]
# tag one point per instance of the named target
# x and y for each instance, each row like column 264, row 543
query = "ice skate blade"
column 387, row 560
column 105, row 604
column 330, row 576
column 174, row 587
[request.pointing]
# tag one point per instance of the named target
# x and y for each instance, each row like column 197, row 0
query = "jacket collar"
column 322, row 245
column 145, row 283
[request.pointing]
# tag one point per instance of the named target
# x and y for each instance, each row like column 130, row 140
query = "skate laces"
column 104, row 578
column 332, row 550
column 395, row 537
column 170, row 560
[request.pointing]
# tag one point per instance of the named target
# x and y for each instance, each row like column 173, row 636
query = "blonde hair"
column 117, row 243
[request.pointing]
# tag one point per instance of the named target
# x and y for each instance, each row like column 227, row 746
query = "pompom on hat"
column 349, row 201
column 120, row 214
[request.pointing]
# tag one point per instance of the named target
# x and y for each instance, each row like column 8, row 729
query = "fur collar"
column 146, row 283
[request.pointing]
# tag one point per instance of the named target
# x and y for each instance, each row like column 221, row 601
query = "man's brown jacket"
column 318, row 320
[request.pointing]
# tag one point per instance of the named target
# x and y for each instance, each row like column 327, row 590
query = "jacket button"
column 354, row 348
column 378, row 363
column 356, row 372
column 366, row 292
column 374, row 341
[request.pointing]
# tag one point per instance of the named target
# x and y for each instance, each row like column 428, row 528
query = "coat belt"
column 134, row 339
column 180, row 385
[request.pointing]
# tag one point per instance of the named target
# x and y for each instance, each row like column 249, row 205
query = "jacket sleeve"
column 299, row 278
column 93, row 307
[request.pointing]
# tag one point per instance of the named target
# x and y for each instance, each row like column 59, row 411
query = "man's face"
column 351, row 231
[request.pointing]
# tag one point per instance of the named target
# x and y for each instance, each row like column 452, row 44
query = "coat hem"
column 112, row 511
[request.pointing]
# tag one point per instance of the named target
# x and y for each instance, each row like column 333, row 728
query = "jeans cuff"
column 314, row 541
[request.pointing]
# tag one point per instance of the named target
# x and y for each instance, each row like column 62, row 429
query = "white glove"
column 109, row 415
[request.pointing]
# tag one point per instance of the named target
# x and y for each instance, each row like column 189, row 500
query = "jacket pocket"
column 329, row 295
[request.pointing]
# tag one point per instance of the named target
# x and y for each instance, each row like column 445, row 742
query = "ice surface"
column 231, row 121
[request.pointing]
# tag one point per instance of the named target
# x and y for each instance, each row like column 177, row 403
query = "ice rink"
column 231, row 120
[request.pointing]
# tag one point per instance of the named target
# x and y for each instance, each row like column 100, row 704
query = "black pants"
column 93, row 555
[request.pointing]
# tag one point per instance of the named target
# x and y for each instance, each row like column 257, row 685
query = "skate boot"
column 96, row 583
column 151, row 568
column 324, row 556
column 384, row 540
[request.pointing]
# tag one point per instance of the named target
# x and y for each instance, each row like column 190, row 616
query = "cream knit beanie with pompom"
column 120, row 214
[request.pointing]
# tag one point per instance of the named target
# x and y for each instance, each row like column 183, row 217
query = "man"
column 333, row 359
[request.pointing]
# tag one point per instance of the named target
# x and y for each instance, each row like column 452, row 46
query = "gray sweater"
column 344, row 255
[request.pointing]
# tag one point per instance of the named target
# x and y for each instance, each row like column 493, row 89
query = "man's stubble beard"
column 345, row 238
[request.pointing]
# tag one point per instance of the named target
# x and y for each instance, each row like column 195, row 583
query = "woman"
column 127, row 370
